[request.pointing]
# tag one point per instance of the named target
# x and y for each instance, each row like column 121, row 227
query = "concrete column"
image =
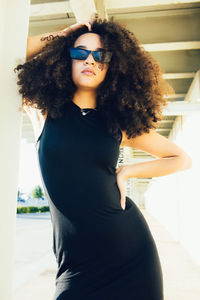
column 174, row 199
column 14, row 18
column 83, row 9
column 101, row 9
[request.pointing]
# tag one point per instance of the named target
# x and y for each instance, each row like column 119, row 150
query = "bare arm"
column 36, row 43
column 171, row 158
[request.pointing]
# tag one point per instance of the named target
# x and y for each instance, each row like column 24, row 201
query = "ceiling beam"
column 56, row 9
column 49, row 9
column 172, row 46
column 178, row 108
column 46, row 1
column 193, row 94
column 131, row 3
column 147, row 3
column 167, row 121
column 133, row 13
column 178, row 75
column 40, row 8
column 175, row 96
column 163, row 129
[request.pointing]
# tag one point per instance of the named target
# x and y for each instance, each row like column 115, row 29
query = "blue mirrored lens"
column 76, row 53
column 99, row 56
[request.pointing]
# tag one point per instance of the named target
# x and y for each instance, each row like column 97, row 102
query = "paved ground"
column 35, row 265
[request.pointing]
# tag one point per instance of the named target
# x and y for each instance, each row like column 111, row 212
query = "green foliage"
column 44, row 208
column 37, row 192
column 21, row 210
column 31, row 209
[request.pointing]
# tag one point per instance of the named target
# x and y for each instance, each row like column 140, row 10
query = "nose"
column 89, row 59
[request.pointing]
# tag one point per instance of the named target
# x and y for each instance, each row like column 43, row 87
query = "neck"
column 85, row 98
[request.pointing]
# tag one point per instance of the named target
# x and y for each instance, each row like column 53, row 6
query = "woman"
column 97, row 91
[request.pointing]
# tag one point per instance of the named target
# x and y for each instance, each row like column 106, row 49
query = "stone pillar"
column 14, row 18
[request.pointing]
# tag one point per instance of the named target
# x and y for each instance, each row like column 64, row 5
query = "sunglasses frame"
column 106, row 59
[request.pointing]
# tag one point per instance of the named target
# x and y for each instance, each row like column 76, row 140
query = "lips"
column 88, row 71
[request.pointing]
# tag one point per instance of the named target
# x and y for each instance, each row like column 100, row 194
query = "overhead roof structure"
column 169, row 30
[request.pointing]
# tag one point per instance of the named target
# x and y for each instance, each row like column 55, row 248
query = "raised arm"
column 36, row 43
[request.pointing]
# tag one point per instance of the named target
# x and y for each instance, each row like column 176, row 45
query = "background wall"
column 175, row 199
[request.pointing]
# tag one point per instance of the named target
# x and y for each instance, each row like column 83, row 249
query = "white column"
column 83, row 9
column 14, row 19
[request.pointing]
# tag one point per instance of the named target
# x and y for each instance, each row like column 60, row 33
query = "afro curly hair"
column 131, row 96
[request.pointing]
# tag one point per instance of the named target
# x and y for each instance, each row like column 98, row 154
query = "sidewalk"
column 181, row 275
column 41, row 286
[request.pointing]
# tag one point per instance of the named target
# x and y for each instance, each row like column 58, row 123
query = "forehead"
column 89, row 40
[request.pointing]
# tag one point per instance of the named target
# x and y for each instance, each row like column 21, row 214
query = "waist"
column 87, row 198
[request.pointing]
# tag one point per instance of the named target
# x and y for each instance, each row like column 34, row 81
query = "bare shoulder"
column 143, row 139
column 124, row 139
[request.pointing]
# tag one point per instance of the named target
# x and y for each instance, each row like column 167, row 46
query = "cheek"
column 75, row 69
column 101, row 67
column 102, row 70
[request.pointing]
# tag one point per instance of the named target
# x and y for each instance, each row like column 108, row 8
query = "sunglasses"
column 98, row 55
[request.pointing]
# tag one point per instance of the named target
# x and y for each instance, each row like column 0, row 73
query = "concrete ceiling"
column 170, row 31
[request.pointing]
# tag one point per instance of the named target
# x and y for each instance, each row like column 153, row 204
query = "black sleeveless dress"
column 103, row 252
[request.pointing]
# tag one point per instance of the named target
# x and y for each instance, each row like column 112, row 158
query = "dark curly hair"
column 131, row 96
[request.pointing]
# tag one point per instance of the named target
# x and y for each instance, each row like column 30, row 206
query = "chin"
column 87, row 85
